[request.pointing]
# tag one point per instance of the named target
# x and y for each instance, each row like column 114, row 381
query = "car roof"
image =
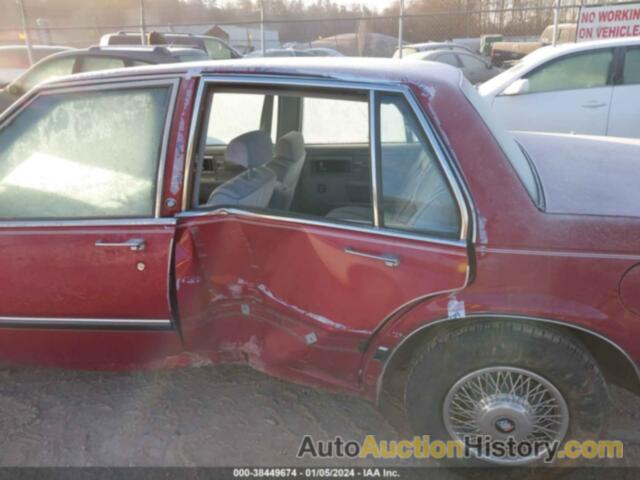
column 424, row 76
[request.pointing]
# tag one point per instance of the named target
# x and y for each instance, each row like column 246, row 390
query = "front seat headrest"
column 250, row 150
column 290, row 147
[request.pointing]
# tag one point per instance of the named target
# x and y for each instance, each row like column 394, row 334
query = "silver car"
column 475, row 68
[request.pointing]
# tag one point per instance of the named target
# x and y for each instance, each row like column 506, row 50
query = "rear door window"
column 415, row 192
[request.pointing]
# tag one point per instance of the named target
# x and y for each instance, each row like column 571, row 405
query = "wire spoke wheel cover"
column 502, row 402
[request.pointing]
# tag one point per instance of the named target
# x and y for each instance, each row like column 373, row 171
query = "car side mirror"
column 516, row 88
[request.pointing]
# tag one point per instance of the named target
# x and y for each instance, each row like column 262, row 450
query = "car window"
column 449, row 59
column 217, row 50
column 469, row 61
column 632, row 67
column 334, row 121
column 139, row 63
column 197, row 56
column 305, row 166
column 81, row 155
column 47, row 70
column 415, row 193
column 586, row 70
column 93, row 64
column 233, row 114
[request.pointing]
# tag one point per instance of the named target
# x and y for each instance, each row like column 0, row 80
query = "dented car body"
column 310, row 297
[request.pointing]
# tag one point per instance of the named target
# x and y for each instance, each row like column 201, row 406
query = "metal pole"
column 400, row 25
column 25, row 28
column 143, row 32
column 556, row 15
column 262, row 47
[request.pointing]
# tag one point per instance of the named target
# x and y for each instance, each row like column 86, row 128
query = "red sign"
column 596, row 22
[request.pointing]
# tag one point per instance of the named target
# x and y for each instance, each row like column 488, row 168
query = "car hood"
column 586, row 175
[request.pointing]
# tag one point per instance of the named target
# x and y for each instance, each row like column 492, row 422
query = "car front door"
column 300, row 289
column 624, row 116
column 571, row 94
column 81, row 242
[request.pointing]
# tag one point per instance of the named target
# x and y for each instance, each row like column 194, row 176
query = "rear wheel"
column 506, row 379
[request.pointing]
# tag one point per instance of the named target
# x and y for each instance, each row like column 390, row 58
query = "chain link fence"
column 366, row 35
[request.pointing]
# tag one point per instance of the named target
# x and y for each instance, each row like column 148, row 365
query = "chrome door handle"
column 388, row 259
column 133, row 244
column 594, row 104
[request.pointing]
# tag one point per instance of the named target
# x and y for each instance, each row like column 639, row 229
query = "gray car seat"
column 421, row 200
column 287, row 165
column 254, row 187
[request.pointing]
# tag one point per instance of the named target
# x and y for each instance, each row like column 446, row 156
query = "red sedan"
column 358, row 225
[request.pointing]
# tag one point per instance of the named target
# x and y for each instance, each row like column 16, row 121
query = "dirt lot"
column 208, row 416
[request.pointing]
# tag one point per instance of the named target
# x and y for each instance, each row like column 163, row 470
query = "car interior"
column 306, row 153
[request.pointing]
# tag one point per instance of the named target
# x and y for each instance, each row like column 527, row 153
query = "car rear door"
column 81, row 240
column 624, row 116
column 299, row 291
column 569, row 94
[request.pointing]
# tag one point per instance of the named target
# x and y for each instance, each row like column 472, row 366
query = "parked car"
column 323, row 52
column 279, row 52
column 504, row 53
column 475, row 68
column 216, row 48
column 14, row 60
column 491, row 284
column 589, row 88
column 92, row 59
column 413, row 48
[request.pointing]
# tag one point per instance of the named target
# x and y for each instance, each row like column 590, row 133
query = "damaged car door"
column 330, row 210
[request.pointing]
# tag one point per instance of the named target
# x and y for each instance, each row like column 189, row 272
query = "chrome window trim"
column 58, row 322
column 105, row 84
column 196, row 121
column 92, row 222
column 374, row 149
column 455, row 180
column 384, row 232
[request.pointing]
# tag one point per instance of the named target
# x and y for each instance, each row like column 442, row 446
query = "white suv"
column 588, row 88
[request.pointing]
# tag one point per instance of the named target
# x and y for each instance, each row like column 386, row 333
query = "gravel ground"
column 209, row 416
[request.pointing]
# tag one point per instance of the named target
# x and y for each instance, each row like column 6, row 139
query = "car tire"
column 553, row 360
